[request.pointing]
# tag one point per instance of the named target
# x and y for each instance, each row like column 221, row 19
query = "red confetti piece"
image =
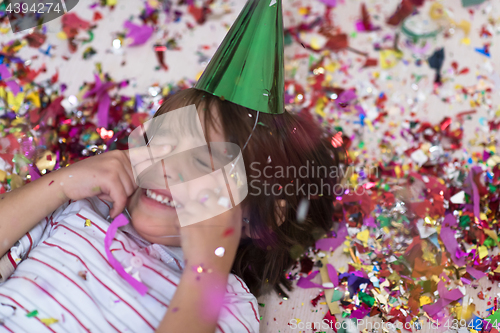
column 97, row 16
column 228, row 232
column 403, row 11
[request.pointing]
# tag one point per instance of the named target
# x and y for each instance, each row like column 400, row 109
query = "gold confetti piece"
column 46, row 161
column 483, row 251
column 492, row 234
column 88, row 223
column 425, row 300
column 49, row 321
column 363, row 236
column 389, row 58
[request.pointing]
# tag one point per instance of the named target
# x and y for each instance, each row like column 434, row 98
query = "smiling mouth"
column 162, row 199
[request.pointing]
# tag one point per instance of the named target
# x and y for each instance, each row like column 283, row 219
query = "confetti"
column 49, row 321
column 427, row 223
column 31, row 314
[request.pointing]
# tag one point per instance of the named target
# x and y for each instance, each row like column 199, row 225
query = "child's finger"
column 119, row 198
column 104, row 196
column 128, row 183
column 128, row 168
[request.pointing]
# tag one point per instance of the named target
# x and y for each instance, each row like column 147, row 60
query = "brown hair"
column 278, row 141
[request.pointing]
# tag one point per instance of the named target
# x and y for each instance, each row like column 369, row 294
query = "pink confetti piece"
column 305, row 282
column 330, row 244
column 447, row 296
column 475, row 273
column 120, row 221
column 138, row 33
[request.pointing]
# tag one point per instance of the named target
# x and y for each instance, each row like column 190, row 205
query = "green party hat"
column 247, row 69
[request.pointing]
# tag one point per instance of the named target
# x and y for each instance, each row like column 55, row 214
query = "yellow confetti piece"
column 62, row 35
column 15, row 101
column 49, row 321
column 394, row 277
column 363, row 236
column 34, row 98
column 88, row 223
column 130, row 102
column 389, row 58
column 316, row 43
column 154, row 3
column 303, row 10
column 483, row 251
column 370, row 125
column 3, row 175
column 465, row 26
column 111, row 2
column 437, row 11
column 198, row 75
column 425, row 300
column 397, row 169
column 333, row 66
column 15, row 181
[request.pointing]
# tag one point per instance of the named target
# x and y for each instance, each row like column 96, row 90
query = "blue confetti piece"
column 476, row 323
column 469, row 160
column 482, row 51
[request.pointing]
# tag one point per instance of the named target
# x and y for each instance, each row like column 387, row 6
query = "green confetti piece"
column 492, row 188
column 464, row 221
column 384, row 221
column 361, row 145
column 33, row 313
column 489, row 242
column 262, row 304
column 367, row 299
column 494, row 317
column 354, row 34
column 337, row 295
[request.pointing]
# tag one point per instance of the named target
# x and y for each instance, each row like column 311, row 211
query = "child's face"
column 160, row 222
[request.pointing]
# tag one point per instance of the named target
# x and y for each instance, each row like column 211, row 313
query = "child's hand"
column 108, row 176
column 213, row 242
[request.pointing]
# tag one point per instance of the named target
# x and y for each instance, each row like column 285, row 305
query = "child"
column 58, row 276
column 65, row 274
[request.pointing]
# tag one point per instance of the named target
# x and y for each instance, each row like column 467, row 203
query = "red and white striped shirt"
column 57, row 278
